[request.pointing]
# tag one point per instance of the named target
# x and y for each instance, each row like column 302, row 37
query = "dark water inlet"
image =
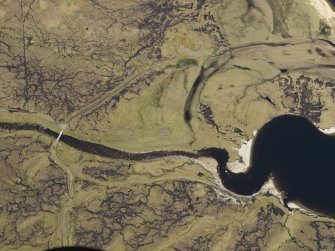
column 299, row 157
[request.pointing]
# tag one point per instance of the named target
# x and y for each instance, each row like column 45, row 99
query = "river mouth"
column 299, row 158
column 289, row 148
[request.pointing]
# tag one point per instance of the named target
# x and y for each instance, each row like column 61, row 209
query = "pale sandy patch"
column 323, row 8
column 302, row 210
column 244, row 152
column 330, row 130
column 210, row 165
column 269, row 187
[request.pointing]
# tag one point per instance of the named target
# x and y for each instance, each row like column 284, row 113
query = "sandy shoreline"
column 242, row 165
column 330, row 130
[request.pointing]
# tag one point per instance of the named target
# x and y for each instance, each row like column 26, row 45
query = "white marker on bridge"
column 60, row 135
